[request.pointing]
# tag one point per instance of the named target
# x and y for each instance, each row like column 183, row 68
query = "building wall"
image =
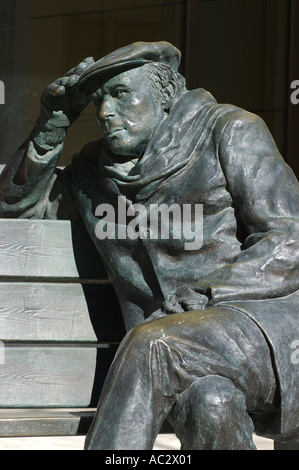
column 13, row 72
column 239, row 50
column 292, row 150
column 56, row 35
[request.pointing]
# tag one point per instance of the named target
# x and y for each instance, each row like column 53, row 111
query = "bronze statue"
column 210, row 328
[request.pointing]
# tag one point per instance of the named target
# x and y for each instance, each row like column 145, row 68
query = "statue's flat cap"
column 125, row 58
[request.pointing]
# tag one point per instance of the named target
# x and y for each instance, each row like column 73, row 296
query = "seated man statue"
column 211, row 313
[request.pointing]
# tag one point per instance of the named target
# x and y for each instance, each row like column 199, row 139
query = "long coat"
column 221, row 158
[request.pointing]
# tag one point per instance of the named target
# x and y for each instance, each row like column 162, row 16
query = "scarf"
column 188, row 126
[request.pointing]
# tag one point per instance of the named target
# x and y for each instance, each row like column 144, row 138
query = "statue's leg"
column 138, row 393
column 158, row 360
column 211, row 415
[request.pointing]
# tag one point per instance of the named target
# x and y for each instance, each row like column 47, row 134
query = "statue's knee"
column 143, row 336
column 211, row 414
column 219, row 396
column 212, row 396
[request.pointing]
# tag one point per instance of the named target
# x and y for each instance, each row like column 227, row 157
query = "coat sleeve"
column 32, row 187
column 265, row 194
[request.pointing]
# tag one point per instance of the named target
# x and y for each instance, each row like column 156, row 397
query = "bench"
column 60, row 326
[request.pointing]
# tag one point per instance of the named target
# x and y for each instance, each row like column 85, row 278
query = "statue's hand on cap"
column 61, row 102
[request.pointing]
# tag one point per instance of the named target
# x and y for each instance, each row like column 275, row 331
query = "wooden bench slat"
column 51, row 422
column 52, row 375
column 45, row 422
column 59, row 312
column 49, row 249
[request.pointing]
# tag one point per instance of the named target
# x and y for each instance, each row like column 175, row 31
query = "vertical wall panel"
column 13, row 72
column 52, row 37
column 293, row 109
column 238, row 50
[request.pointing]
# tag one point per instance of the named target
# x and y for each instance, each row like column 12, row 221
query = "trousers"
column 204, row 370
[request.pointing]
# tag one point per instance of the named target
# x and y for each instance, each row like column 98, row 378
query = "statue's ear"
column 168, row 95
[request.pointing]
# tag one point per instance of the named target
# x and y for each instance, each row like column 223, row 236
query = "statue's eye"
column 120, row 93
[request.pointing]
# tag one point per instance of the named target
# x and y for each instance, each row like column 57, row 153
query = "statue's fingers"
column 72, row 80
column 84, row 65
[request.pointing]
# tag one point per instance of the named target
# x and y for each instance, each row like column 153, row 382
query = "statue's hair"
column 161, row 76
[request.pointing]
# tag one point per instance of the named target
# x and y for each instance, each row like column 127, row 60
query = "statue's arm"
column 27, row 180
column 31, row 176
column 265, row 194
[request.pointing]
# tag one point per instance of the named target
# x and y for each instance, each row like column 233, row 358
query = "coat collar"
column 170, row 149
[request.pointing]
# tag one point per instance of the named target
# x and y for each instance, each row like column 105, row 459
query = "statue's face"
column 129, row 112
